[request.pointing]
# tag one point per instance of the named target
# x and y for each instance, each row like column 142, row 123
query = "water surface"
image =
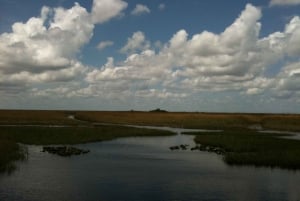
column 143, row 169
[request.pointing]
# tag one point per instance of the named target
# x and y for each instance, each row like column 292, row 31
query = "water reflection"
column 145, row 169
column 285, row 134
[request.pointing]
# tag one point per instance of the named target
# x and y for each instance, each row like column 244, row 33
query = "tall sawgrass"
column 73, row 135
column 252, row 148
column 9, row 153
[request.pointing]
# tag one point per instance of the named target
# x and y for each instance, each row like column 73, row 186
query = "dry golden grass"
column 34, row 117
column 196, row 120
column 173, row 119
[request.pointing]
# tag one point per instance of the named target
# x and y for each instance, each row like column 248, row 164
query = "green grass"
column 252, row 148
column 73, row 135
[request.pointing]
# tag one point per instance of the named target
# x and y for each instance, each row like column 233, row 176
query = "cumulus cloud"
column 33, row 51
column 136, row 43
column 104, row 44
column 44, row 48
column 234, row 60
column 284, row 2
column 287, row 83
column 104, row 10
column 140, row 9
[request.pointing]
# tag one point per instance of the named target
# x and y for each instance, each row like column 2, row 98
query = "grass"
column 9, row 153
column 73, row 135
column 173, row 119
column 45, row 117
column 244, row 147
column 196, row 120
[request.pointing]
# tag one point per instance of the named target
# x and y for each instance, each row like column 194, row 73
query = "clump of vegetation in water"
column 10, row 152
column 64, row 150
column 244, row 147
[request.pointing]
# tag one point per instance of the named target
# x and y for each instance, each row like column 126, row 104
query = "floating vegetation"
column 65, row 150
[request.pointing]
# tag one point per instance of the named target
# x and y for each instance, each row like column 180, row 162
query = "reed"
column 73, row 135
column 252, row 148
column 9, row 153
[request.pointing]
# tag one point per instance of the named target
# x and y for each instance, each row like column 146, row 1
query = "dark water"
column 142, row 169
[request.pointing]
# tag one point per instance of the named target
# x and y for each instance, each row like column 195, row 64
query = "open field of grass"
column 289, row 122
column 196, row 120
column 252, row 148
column 46, row 117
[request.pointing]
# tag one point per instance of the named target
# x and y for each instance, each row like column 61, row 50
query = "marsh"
column 143, row 168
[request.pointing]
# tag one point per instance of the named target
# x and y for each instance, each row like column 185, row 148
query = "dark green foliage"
column 252, row 148
column 10, row 152
column 72, row 135
column 64, row 150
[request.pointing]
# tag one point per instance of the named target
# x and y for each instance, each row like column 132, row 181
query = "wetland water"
column 142, row 169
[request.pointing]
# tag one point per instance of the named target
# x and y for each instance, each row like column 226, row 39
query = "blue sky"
column 212, row 56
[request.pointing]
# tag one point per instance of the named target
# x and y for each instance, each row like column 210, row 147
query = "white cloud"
column 35, row 52
column 140, row 9
column 254, row 91
column 104, row 44
column 287, row 82
column 233, row 60
column 284, row 2
column 104, row 10
column 161, row 6
column 135, row 43
column 44, row 48
column 292, row 36
column 233, row 52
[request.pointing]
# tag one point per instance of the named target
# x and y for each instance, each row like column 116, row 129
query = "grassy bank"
column 9, row 153
column 73, row 135
column 252, row 148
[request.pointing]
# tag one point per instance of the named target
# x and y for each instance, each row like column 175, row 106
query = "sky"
column 205, row 56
